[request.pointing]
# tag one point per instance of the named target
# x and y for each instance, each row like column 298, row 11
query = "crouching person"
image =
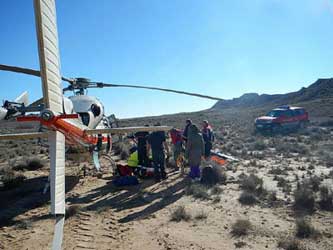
column 194, row 151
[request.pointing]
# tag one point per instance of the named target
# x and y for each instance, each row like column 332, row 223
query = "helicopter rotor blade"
column 27, row 71
column 101, row 85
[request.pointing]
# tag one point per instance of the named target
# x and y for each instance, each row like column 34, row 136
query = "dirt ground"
column 141, row 217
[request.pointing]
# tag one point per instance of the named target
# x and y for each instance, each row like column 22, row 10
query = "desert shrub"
column 252, row 183
column 326, row 198
column 180, row 214
column 304, row 229
column 34, row 164
column 287, row 147
column 304, row 197
column 271, row 198
column 198, row 191
column 11, row 179
column 30, row 164
column 259, row 145
column 290, row 244
column 23, row 224
column 277, row 171
column 315, row 182
column 281, row 182
column 216, row 199
column 216, row 190
column 327, row 157
column 212, row 176
column 247, row 198
column 328, row 123
column 72, row 210
column 240, row 244
column 330, row 174
column 241, row 227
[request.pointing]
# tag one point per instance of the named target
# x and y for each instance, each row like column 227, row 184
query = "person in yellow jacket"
column 133, row 160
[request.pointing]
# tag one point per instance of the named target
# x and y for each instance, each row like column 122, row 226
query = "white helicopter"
column 77, row 119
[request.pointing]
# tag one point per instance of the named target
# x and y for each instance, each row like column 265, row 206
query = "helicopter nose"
column 3, row 113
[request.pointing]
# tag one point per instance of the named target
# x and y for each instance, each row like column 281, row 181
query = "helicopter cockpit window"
column 85, row 118
column 95, row 109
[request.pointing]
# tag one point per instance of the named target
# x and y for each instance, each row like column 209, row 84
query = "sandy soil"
column 139, row 217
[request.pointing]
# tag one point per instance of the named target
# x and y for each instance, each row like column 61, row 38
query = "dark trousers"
column 142, row 155
column 208, row 147
column 158, row 161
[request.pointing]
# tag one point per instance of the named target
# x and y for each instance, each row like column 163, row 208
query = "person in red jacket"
column 177, row 142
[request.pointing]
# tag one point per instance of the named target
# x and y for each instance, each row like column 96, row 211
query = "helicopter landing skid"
column 96, row 160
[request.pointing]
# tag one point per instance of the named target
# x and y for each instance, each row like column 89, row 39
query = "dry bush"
column 305, row 230
column 277, row 171
column 241, row 227
column 283, row 183
column 216, row 190
column 271, row 197
column 330, row 174
column 180, row 214
column 30, row 164
column 11, row 179
column 216, row 199
column 198, row 191
column 327, row 157
column 247, row 198
column 286, row 147
column 290, row 244
column 24, row 224
column 72, row 210
column 326, row 198
column 259, row 145
column 253, row 189
column 328, row 123
column 304, row 197
column 240, row 244
column 315, row 182
column 213, row 175
column 253, row 184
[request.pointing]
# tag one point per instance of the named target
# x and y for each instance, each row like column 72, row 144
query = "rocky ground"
column 278, row 196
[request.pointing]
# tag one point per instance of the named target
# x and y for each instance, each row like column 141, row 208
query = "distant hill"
column 321, row 89
column 317, row 99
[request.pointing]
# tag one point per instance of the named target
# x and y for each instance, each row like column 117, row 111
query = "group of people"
column 156, row 143
column 197, row 144
column 194, row 142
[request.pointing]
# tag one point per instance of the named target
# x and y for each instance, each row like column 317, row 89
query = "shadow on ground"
column 148, row 195
column 27, row 197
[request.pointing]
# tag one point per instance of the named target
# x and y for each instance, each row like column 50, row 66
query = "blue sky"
column 213, row 47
